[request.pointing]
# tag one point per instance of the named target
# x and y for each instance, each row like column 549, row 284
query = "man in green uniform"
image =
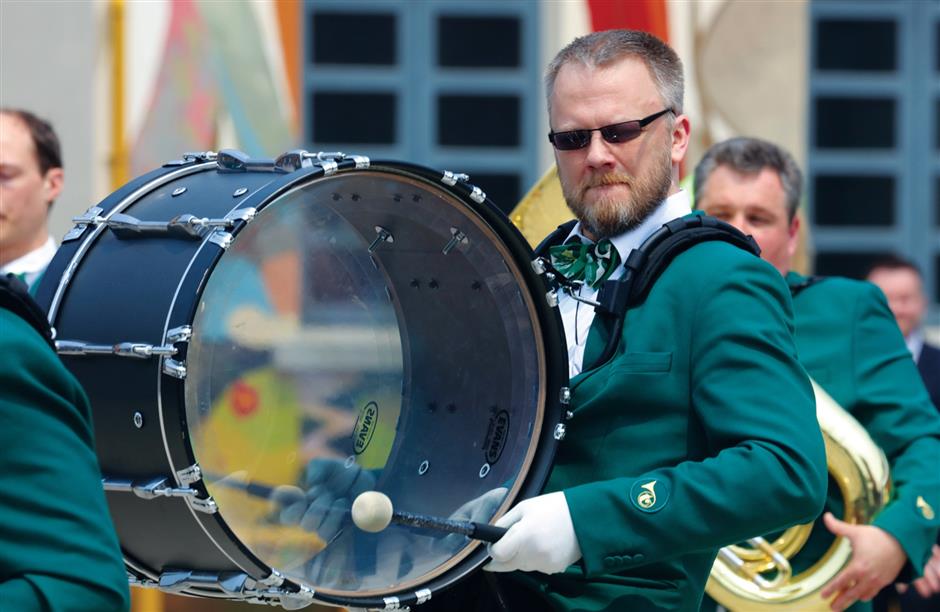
column 700, row 430
column 58, row 549
column 850, row 344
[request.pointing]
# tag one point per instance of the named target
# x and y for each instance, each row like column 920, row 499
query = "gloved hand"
column 330, row 488
column 541, row 537
column 481, row 509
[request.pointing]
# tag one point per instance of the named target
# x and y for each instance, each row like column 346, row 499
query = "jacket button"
column 638, row 557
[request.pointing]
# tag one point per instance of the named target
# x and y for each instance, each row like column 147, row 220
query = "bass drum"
column 263, row 340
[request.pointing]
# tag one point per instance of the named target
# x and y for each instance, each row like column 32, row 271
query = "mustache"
column 610, row 178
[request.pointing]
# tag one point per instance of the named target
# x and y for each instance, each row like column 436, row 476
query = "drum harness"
column 641, row 268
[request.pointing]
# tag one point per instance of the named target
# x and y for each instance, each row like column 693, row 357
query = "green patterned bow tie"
column 591, row 263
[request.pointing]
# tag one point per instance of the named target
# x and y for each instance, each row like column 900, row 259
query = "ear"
column 680, row 138
column 793, row 241
column 52, row 184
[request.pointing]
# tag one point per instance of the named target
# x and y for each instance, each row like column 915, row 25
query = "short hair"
column 601, row 49
column 45, row 141
column 750, row 156
column 893, row 262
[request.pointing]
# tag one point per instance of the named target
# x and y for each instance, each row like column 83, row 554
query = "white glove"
column 541, row 537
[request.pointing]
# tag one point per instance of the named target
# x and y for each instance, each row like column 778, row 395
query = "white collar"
column 915, row 343
column 675, row 206
column 32, row 262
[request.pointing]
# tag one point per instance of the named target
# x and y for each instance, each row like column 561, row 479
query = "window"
column 449, row 84
column 856, row 44
column 874, row 157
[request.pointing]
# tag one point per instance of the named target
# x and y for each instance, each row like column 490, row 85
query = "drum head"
column 367, row 331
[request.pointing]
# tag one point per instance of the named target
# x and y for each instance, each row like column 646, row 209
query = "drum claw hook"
column 382, row 235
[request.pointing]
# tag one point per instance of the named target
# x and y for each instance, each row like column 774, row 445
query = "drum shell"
column 150, row 269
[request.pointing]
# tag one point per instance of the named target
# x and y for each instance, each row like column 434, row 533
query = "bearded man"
column 700, row 429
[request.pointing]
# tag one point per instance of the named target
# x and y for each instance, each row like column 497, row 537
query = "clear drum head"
column 367, row 331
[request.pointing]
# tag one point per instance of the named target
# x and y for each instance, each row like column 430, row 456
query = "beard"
column 609, row 216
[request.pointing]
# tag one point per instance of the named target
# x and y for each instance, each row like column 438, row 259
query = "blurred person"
column 31, row 178
column 848, row 341
column 902, row 284
column 58, row 547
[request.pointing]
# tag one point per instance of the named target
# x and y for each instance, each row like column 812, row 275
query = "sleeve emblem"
column 649, row 496
column 925, row 509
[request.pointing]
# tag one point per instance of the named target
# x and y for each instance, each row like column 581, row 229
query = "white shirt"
column 577, row 317
column 31, row 265
column 915, row 343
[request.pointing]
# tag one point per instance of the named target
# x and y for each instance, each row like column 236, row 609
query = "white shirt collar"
column 915, row 343
column 33, row 263
column 578, row 318
column 675, row 206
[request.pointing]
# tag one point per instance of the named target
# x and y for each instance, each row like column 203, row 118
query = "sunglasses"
column 615, row 133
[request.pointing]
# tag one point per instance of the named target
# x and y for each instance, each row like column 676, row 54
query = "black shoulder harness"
column 14, row 296
column 645, row 264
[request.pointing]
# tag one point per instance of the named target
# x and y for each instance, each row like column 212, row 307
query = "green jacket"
column 678, row 443
column 850, row 344
column 58, row 549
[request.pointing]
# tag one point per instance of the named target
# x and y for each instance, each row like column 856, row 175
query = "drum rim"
column 556, row 379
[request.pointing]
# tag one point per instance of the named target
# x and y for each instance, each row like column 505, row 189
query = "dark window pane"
column 352, row 38
column 353, row 118
column 848, row 44
column 478, row 121
column 853, row 200
column 854, row 123
column 478, row 42
column 852, row 265
column 503, row 189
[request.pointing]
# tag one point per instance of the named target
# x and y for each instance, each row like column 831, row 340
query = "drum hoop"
column 555, row 375
column 498, row 240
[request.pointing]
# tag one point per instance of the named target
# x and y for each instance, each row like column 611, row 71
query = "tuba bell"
column 758, row 576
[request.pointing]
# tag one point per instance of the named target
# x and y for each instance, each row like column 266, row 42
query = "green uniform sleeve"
column 58, row 549
column 893, row 405
column 764, row 465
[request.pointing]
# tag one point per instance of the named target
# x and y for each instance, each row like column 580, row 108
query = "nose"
column 599, row 153
column 739, row 222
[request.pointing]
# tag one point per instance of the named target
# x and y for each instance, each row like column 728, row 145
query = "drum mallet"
column 372, row 511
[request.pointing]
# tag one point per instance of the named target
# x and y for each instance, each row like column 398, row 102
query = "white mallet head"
column 372, row 511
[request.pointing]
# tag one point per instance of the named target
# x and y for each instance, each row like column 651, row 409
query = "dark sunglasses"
column 615, row 133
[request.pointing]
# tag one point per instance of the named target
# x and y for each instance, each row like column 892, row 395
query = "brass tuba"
column 758, row 577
